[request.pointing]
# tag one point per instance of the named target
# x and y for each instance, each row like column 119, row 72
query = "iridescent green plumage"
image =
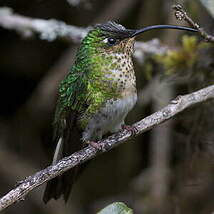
column 86, row 87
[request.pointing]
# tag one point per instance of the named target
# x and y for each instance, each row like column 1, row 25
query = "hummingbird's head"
column 110, row 37
column 114, row 38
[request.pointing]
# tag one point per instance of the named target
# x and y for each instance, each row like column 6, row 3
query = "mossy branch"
column 177, row 105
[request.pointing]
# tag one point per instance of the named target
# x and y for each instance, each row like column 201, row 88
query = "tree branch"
column 52, row 29
column 47, row 29
column 177, row 105
column 180, row 14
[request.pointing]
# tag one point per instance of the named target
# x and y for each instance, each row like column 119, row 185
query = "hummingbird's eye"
column 111, row 41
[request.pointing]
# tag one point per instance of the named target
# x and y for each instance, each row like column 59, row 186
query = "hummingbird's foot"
column 98, row 146
column 129, row 128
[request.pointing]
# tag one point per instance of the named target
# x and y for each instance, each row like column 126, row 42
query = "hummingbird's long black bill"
column 137, row 32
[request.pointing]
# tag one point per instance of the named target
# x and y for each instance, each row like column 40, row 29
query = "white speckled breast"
column 111, row 116
column 123, row 75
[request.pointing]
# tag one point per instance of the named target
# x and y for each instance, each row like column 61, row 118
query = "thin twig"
column 181, row 14
column 177, row 105
column 18, row 167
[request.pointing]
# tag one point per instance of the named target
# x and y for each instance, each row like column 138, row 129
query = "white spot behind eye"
column 110, row 41
column 105, row 40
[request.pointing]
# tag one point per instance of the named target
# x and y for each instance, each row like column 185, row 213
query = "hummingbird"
column 95, row 96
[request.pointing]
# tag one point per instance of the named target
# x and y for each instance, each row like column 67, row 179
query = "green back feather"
column 85, row 88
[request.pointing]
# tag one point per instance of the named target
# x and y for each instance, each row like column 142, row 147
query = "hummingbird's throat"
column 125, row 47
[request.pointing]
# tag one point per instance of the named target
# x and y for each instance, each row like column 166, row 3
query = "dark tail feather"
column 53, row 189
column 62, row 185
column 69, row 179
column 71, row 143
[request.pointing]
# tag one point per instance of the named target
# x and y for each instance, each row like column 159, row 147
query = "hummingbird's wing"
column 70, row 104
column 72, row 98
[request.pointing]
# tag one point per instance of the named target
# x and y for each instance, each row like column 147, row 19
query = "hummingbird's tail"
column 69, row 143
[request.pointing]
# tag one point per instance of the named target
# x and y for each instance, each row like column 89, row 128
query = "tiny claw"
column 132, row 129
column 176, row 100
column 97, row 146
column 21, row 199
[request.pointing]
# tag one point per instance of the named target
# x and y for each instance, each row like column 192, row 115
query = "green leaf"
column 116, row 208
column 209, row 5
